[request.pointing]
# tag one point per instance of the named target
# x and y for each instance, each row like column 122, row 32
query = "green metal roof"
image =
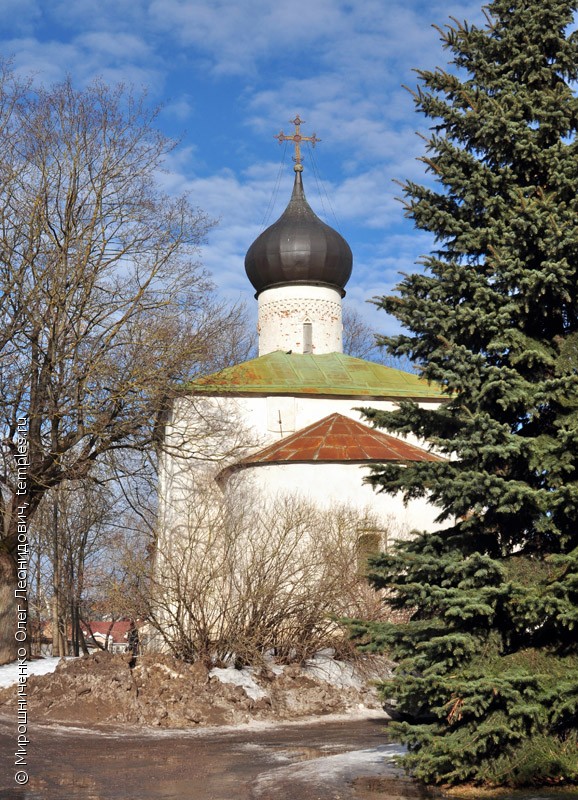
column 307, row 374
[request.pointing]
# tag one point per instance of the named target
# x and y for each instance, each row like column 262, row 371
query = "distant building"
column 112, row 636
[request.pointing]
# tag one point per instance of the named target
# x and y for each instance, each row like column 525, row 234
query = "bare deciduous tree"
column 79, row 524
column 360, row 341
column 104, row 308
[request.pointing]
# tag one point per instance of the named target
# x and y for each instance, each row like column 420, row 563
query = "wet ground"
column 289, row 762
column 331, row 760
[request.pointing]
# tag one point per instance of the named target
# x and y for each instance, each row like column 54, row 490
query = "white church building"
column 289, row 421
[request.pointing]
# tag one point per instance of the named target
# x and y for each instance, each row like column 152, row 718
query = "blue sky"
column 230, row 74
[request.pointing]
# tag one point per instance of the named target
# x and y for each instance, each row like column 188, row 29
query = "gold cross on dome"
column 297, row 138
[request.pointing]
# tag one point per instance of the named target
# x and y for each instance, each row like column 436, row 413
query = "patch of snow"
column 239, row 677
column 39, row 666
column 335, row 770
column 337, row 673
column 272, row 666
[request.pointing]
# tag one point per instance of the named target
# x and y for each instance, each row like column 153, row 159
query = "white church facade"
column 289, row 421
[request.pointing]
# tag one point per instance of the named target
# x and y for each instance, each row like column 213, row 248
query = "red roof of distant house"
column 117, row 631
column 338, row 439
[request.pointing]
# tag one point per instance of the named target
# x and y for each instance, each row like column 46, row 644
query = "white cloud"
column 112, row 15
column 22, row 14
column 180, row 107
column 123, row 47
column 362, row 43
column 236, row 35
column 45, row 62
column 246, row 67
column 115, row 59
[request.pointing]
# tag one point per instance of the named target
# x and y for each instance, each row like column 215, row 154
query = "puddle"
column 346, row 760
column 304, row 753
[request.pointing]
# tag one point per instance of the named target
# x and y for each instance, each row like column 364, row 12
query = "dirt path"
column 331, row 760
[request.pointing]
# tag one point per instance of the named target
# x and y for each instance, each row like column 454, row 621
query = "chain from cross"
column 297, row 138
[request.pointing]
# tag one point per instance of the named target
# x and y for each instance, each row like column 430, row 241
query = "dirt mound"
column 160, row 691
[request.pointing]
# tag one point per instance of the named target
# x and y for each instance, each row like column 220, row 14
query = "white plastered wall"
column 330, row 486
column 240, row 426
column 205, row 435
column 284, row 311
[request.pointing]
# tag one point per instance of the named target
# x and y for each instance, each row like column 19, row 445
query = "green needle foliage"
column 487, row 679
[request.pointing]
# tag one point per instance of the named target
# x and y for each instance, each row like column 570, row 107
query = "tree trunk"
column 37, row 640
column 83, row 645
column 8, row 608
column 75, row 628
column 58, row 635
column 58, row 639
column 14, row 554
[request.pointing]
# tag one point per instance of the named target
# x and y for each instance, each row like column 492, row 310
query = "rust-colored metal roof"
column 334, row 374
column 338, row 439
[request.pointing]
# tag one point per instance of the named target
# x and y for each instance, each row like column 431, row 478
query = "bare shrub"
column 242, row 578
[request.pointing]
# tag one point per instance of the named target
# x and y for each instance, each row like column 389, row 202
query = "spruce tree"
column 487, row 675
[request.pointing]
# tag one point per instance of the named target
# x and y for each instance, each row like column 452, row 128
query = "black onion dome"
column 298, row 248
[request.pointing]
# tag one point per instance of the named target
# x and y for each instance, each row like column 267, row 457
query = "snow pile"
column 240, row 677
column 323, row 667
column 160, row 691
column 39, row 666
